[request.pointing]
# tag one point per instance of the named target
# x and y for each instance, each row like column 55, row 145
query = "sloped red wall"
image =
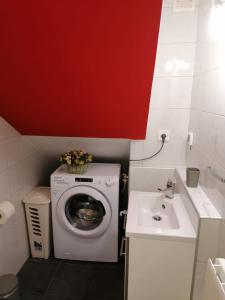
column 78, row 68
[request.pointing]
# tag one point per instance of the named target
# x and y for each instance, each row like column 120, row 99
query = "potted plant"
column 76, row 161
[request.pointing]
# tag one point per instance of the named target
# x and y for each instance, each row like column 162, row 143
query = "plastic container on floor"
column 37, row 206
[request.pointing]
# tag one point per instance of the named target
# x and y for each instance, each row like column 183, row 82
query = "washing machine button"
column 109, row 181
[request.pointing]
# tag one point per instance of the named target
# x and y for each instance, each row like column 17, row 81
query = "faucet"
column 169, row 191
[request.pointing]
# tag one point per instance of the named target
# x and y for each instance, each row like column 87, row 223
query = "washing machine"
column 85, row 213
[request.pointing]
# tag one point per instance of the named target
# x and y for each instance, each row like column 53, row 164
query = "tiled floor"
column 55, row 279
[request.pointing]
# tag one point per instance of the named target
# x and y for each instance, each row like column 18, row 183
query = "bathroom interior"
column 139, row 85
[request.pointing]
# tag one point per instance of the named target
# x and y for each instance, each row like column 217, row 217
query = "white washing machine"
column 85, row 209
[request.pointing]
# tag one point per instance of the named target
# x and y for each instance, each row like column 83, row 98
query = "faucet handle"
column 171, row 183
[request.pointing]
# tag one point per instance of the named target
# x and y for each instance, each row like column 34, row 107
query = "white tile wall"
column 171, row 90
column 149, row 179
column 171, row 32
column 164, row 118
column 207, row 121
column 167, row 3
column 20, row 171
column 188, row 94
column 176, row 90
column 174, row 59
column 100, row 148
column 173, row 153
column 207, row 118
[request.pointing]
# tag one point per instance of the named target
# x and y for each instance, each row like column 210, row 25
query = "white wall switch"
column 190, row 139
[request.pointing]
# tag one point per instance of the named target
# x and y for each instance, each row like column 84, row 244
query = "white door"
column 84, row 211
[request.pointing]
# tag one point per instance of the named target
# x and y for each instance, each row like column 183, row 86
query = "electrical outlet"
column 166, row 132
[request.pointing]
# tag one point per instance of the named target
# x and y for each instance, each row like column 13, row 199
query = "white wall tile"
column 171, row 89
column 206, row 4
column 219, row 86
column 149, row 179
column 208, row 106
column 203, row 28
column 209, row 90
column 53, row 147
column 168, row 119
column 171, row 32
column 219, row 140
column 20, row 171
column 3, row 161
column 13, row 150
column 209, row 56
column 175, row 60
column 6, row 130
column 172, row 154
column 171, row 92
column 136, row 149
column 167, row 3
column 4, row 186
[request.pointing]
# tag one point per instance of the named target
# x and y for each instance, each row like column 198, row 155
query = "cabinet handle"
column 125, row 222
column 124, row 214
column 123, row 241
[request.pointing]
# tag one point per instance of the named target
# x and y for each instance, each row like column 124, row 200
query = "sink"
column 155, row 210
column 151, row 214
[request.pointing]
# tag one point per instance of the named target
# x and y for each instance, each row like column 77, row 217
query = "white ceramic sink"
column 151, row 214
column 156, row 211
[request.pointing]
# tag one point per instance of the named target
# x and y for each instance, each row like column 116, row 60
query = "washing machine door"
column 84, row 211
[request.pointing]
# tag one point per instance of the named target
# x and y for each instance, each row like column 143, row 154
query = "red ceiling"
column 78, row 68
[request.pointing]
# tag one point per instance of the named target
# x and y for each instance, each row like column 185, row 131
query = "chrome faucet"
column 169, row 191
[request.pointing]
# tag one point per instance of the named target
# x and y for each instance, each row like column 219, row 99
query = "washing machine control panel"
column 80, row 179
column 109, row 181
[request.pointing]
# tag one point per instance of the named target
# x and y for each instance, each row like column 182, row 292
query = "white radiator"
column 214, row 284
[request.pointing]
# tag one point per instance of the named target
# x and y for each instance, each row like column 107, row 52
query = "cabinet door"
column 160, row 269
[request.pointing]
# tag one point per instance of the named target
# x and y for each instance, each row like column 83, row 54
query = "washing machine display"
column 85, row 213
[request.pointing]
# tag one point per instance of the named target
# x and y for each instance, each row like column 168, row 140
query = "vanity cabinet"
column 158, row 269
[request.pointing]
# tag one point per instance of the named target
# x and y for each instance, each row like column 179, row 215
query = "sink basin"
column 156, row 211
column 152, row 214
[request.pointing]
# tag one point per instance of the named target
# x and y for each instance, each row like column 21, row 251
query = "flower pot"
column 77, row 169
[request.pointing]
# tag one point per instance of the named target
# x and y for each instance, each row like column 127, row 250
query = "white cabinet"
column 159, row 269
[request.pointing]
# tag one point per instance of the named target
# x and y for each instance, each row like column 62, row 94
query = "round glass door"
column 84, row 211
